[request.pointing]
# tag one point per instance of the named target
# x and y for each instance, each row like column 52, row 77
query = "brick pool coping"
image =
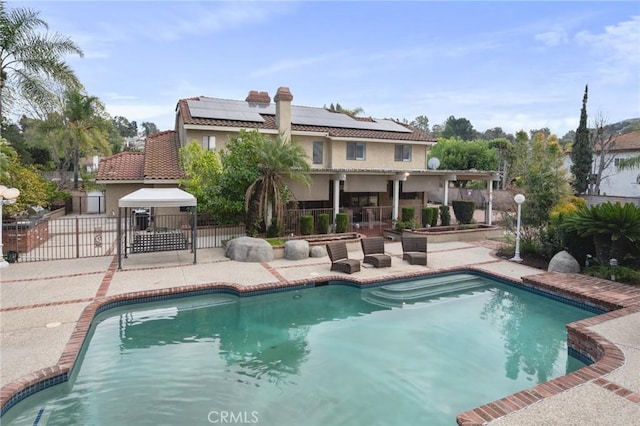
column 618, row 299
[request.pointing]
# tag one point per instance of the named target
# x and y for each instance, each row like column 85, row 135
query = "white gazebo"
column 155, row 197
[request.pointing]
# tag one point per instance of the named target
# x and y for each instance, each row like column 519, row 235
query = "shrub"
column 622, row 274
column 445, row 216
column 427, row 216
column 463, row 209
column 342, row 223
column 434, row 216
column 323, row 223
column 408, row 213
column 306, row 224
column 615, row 229
column 274, row 230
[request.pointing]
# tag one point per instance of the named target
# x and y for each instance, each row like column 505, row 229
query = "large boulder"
column 248, row 249
column 296, row 249
column 564, row 262
column 318, row 251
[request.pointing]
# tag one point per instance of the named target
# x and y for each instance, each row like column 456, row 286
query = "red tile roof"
column 627, row 142
column 270, row 123
column 161, row 156
column 159, row 161
column 122, row 166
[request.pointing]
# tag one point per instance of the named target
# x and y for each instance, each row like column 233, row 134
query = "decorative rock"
column 296, row 249
column 248, row 249
column 564, row 262
column 318, row 251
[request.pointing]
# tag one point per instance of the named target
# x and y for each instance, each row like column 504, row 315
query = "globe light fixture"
column 519, row 199
column 7, row 196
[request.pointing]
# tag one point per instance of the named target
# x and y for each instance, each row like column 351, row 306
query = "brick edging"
column 607, row 356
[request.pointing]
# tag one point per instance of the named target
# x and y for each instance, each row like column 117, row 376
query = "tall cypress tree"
column 582, row 152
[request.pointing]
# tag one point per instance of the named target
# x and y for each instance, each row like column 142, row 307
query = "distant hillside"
column 624, row 126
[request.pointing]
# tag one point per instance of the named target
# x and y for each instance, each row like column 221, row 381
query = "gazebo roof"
column 158, row 197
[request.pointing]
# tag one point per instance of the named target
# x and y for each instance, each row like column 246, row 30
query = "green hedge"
column 445, row 216
column 306, row 225
column 463, row 209
column 427, row 216
column 434, row 217
column 408, row 214
column 323, row 223
column 342, row 223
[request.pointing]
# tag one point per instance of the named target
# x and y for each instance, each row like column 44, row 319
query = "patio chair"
column 340, row 259
column 414, row 249
column 373, row 249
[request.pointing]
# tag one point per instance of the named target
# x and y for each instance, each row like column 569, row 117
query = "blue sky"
column 517, row 65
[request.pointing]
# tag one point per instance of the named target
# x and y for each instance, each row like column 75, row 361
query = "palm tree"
column 278, row 162
column 82, row 125
column 29, row 59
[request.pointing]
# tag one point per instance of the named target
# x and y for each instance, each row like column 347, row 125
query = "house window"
column 356, row 150
column 209, row 142
column 318, row 148
column 403, row 153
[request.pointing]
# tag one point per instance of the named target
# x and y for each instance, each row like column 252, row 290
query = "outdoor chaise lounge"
column 340, row 259
column 373, row 249
column 414, row 249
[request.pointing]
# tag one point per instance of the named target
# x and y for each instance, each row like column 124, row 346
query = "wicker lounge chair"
column 373, row 249
column 414, row 249
column 340, row 259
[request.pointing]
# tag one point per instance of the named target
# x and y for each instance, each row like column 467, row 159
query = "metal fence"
column 94, row 236
column 370, row 221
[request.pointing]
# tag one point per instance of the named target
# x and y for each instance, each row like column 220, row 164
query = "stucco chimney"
column 258, row 97
column 283, row 100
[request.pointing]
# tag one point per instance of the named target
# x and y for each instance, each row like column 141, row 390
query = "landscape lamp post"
column 7, row 196
column 519, row 199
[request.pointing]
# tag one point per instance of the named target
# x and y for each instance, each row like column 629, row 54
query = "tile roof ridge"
column 122, row 154
column 161, row 133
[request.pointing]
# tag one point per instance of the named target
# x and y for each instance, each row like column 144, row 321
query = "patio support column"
column 336, row 193
column 396, row 193
column 445, row 198
column 447, row 178
column 489, row 217
column 396, row 198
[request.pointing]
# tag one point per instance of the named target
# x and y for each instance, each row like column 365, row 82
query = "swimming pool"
column 414, row 352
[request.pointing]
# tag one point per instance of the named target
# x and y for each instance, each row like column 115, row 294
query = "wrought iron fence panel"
column 94, row 236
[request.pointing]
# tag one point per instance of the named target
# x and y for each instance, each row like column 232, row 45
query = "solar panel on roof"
column 226, row 109
column 322, row 117
column 222, row 109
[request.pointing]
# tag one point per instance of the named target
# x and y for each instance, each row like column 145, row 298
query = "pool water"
column 404, row 353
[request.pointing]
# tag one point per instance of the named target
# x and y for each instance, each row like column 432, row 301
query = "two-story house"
column 355, row 162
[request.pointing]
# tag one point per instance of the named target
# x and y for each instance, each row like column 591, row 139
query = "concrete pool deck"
column 46, row 307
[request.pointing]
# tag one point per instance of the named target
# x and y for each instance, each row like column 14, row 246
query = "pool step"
column 423, row 290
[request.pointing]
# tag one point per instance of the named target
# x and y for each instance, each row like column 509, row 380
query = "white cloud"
column 212, row 17
column 616, row 50
column 291, row 64
column 553, row 38
column 119, row 97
